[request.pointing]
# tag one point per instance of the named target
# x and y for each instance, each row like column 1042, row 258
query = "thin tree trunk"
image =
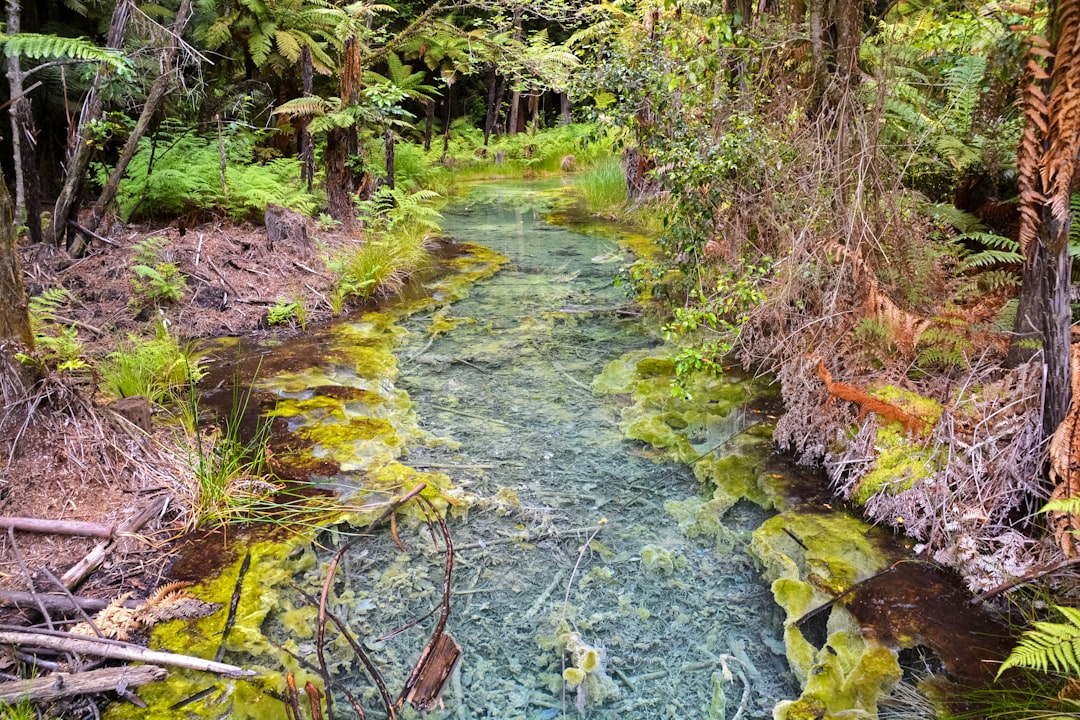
column 78, row 149
column 153, row 101
column 492, row 103
column 307, row 148
column 564, row 108
column 515, row 112
column 389, row 151
column 16, row 336
column 15, row 84
column 446, row 130
column 429, row 122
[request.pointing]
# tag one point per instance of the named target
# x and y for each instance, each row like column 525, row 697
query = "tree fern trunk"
column 131, row 145
column 15, row 334
column 78, row 149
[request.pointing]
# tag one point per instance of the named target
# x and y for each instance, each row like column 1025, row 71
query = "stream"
column 585, row 582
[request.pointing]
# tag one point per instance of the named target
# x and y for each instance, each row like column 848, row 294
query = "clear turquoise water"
column 566, row 509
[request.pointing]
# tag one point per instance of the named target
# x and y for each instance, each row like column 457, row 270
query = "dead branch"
column 60, row 685
column 115, row 650
column 230, row 620
column 56, row 603
column 321, row 639
column 423, row 690
column 57, row 527
column 82, row 569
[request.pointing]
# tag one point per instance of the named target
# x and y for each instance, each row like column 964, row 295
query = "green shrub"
column 178, row 170
column 284, row 312
column 157, row 368
column 56, row 343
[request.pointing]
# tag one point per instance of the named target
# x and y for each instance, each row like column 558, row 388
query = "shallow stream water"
column 582, row 583
column 571, row 542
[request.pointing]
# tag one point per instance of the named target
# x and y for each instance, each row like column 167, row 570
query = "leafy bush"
column 285, row 311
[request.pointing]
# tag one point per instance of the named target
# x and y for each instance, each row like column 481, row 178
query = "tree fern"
column 1049, row 646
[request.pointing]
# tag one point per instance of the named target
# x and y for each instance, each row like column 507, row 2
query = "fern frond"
column 306, row 106
column 34, row 45
column 287, row 45
column 1049, row 646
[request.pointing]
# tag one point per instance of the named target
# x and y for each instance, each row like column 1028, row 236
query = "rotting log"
column 57, row 527
column 115, row 650
column 60, row 685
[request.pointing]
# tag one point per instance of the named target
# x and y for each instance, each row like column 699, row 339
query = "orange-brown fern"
column 1059, row 162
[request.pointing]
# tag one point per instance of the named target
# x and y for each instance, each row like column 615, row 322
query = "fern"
column 1049, row 646
column 37, row 46
column 998, row 250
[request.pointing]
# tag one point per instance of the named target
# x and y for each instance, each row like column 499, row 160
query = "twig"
column 231, row 619
column 1026, row 578
column 79, row 572
column 58, row 603
column 78, row 323
column 313, row 272
column 323, row 611
column 91, row 233
column 100, row 647
column 198, row 250
column 57, row 527
column 29, row 578
column 71, row 598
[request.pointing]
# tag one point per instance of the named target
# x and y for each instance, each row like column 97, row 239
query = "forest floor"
column 71, row 458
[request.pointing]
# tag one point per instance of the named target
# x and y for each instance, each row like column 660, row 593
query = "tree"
column 15, row 334
column 400, row 82
column 1047, row 168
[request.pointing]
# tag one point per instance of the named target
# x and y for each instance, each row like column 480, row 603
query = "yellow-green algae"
column 849, row 672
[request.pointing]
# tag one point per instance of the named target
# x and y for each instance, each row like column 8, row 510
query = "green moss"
column 924, row 408
column 899, row 464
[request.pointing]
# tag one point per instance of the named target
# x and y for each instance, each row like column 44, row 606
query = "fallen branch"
column 60, row 685
column 57, row 527
column 115, row 650
column 53, row 602
column 82, row 569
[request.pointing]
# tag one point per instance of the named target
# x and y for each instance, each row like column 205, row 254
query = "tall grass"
column 603, row 187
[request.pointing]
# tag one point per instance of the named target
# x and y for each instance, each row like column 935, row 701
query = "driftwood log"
column 59, row 685
column 115, row 650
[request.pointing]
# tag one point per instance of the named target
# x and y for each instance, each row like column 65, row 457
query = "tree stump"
column 134, row 409
column 286, row 230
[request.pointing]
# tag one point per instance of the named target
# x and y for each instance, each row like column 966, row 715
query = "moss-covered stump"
column 813, row 559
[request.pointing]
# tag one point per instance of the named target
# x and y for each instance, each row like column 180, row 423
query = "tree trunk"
column 341, row 144
column 515, row 112
column 153, row 101
column 16, row 379
column 446, row 130
column 78, row 149
column 492, row 103
column 389, row 151
column 564, row 108
column 429, row 122
column 307, row 148
column 15, row 92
